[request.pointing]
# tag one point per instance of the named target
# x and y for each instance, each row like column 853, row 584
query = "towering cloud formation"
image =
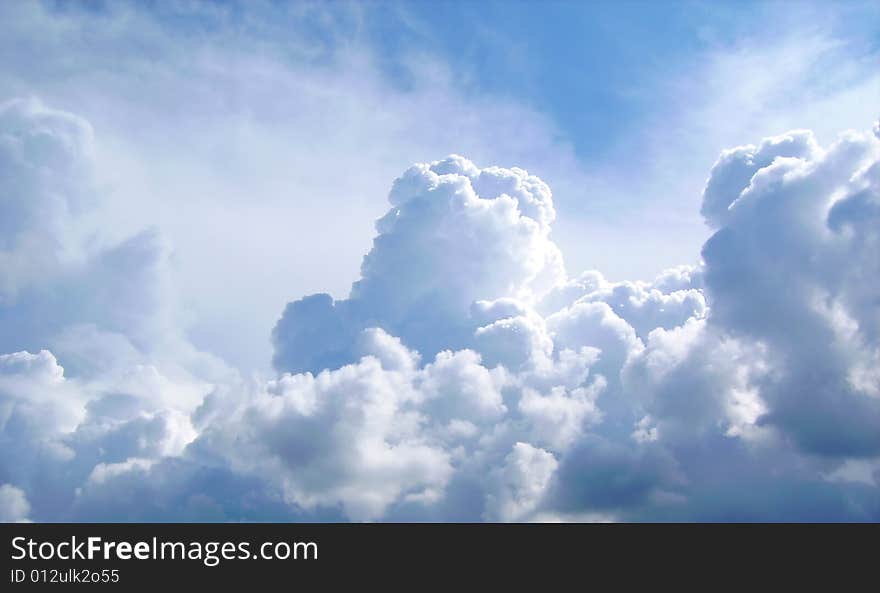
column 466, row 376
column 455, row 234
column 128, row 382
column 794, row 266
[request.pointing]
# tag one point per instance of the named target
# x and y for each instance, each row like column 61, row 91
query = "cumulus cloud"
column 14, row 506
column 129, row 379
column 352, row 437
column 466, row 376
column 44, row 156
column 520, row 483
column 58, row 270
column 455, row 235
column 794, row 267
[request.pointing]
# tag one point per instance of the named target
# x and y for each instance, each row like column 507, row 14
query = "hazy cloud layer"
column 466, row 376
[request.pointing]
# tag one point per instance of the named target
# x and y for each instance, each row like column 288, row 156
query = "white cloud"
column 14, row 507
column 351, row 437
column 520, row 483
column 44, row 156
column 793, row 266
column 441, row 247
column 127, row 379
column 465, row 376
column 559, row 417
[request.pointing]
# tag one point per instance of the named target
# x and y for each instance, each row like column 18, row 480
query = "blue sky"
column 598, row 69
column 201, row 207
column 578, row 62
